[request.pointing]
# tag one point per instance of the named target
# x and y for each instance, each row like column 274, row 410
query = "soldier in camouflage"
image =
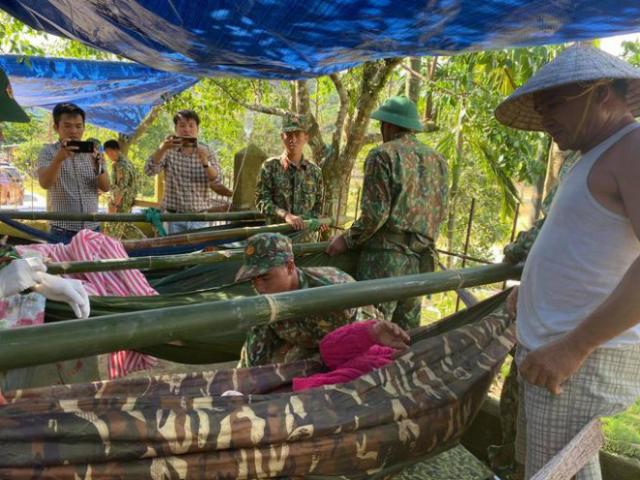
column 124, row 183
column 269, row 264
column 124, row 188
column 403, row 202
column 289, row 187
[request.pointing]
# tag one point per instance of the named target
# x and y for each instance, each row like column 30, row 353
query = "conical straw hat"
column 577, row 64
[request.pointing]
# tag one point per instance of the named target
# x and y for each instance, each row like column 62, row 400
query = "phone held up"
column 80, row 146
column 188, row 142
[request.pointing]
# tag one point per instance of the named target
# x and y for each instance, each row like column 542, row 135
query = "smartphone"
column 82, row 147
column 188, row 141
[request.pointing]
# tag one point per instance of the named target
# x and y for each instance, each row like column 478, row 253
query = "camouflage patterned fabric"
column 177, row 426
column 263, row 252
column 298, row 338
column 294, row 123
column 403, row 201
column 124, row 186
column 284, row 188
column 455, row 464
column 518, row 250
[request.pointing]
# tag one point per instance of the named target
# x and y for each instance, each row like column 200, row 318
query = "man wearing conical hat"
column 403, row 201
column 578, row 308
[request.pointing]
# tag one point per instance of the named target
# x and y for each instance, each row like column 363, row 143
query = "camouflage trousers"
column 388, row 263
column 287, row 341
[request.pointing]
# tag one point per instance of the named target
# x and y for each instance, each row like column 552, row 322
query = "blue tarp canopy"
column 115, row 95
column 292, row 39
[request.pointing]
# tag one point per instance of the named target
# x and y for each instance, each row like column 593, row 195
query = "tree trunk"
column 413, row 82
column 126, row 141
column 429, row 114
column 338, row 166
column 555, row 159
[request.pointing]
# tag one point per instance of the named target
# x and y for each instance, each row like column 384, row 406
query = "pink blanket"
column 87, row 245
column 348, row 352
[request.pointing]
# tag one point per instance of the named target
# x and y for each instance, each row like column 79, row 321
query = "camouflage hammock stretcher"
column 178, row 425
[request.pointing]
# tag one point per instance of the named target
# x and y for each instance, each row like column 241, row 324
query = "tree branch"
column 316, row 143
column 375, row 76
column 126, row 141
column 281, row 112
column 342, row 112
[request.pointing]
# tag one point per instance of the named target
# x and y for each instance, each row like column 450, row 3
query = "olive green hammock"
column 204, row 283
column 179, row 426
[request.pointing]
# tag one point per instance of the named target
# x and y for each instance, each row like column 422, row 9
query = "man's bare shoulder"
column 626, row 171
column 625, row 154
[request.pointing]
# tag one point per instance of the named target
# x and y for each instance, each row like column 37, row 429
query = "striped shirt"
column 75, row 190
column 187, row 186
column 92, row 246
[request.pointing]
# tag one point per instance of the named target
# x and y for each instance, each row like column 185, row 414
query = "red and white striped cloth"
column 87, row 245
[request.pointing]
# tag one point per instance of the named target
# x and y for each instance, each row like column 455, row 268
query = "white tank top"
column 581, row 254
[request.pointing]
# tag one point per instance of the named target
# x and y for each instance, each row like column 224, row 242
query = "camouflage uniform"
column 283, row 187
column 124, row 184
column 294, row 339
column 403, row 202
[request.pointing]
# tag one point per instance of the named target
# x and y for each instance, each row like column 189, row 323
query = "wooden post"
column 466, row 241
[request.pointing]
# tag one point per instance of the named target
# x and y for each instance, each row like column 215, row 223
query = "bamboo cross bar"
column 167, row 261
column 200, row 237
column 131, row 217
column 133, row 330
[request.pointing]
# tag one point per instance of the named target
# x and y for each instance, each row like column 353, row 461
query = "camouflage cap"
column 294, row 123
column 263, row 252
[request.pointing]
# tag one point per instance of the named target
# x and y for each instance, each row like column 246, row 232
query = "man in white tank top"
column 578, row 307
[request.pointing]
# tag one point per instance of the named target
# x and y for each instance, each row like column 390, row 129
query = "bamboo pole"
column 165, row 262
column 53, row 342
column 131, row 217
column 200, row 237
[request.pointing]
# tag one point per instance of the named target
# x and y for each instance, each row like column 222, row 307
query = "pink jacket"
column 348, row 352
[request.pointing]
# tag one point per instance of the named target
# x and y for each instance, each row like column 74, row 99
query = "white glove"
column 20, row 274
column 65, row 290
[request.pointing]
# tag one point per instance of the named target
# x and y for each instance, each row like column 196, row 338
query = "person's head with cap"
column 398, row 115
column 268, row 263
column 294, row 135
column 580, row 98
column 10, row 111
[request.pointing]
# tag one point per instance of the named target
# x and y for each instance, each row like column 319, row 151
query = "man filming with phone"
column 191, row 171
column 72, row 172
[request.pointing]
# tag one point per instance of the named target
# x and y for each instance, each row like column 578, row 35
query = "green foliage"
column 631, row 52
column 17, row 38
column 622, row 432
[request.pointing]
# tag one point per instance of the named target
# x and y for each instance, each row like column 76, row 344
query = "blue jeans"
column 181, row 227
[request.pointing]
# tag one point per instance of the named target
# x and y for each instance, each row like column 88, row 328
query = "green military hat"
column 263, row 252
column 399, row 111
column 10, row 111
column 294, row 123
